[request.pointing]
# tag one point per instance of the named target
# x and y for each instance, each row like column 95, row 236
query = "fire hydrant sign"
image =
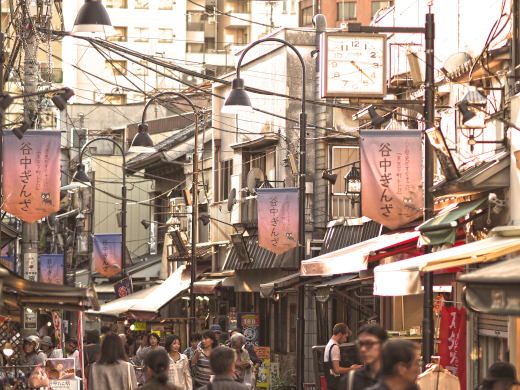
column 391, row 176
column 31, row 175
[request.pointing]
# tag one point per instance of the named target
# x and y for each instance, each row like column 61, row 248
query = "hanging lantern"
column 353, row 185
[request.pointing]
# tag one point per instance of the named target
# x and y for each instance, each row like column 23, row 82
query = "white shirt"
column 335, row 354
column 75, row 355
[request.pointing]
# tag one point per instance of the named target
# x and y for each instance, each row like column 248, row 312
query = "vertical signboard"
column 30, row 267
column 58, row 328
column 250, row 325
column 51, row 269
column 391, row 176
column 31, row 175
column 107, row 254
column 452, row 337
column 278, row 219
column 263, row 353
column 123, row 288
column 153, row 238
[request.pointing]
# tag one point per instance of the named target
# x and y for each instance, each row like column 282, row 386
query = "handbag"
column 333, row 380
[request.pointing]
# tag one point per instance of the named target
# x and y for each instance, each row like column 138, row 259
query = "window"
column 115, row 98
column 141, row 68
column 121, row 35
column 141, row 34
column 115, row 68
column 138, row 98
column 166, row 4
column 307, row 14
column 293, row 6
column 347, row 11
column 226, row 170
column 166, row 35
column 284, row 5
column 141, row 4
column 377, row 5
column 117, row 4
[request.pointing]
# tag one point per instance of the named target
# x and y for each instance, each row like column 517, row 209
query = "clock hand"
column 361, row 70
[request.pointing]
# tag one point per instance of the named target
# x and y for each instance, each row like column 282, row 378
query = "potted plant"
column 284, row 381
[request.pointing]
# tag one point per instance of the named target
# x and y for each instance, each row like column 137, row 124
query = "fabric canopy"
column 353, row 258
column 206, row 287
column 122, row 305
column 494, row 289
column 442, row 228
column 403, row 277
column 267, row 290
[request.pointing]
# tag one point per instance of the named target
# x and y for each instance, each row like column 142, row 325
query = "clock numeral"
column 336, row 74
column 373, row 55
column 344, row 47
column 338, row 55
column 365, row 83
column 334, row 64
column 373, row 75
column 355, row 86
column 355, row 43
column 376, row 65
column 346, row 82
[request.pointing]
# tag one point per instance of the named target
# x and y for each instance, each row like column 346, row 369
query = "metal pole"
column 123, row 219
column 429, row 116
column 2, row 62
column 194, row 228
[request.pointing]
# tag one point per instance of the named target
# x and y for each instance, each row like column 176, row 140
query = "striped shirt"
column 202, row 370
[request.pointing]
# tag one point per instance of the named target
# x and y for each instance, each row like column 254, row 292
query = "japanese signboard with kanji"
column 30, row 267
column 51, row 269
column 452, row 347
column 107, row 254
column 250, row 325
column 391, row 176
column 31, row 176
column 57, row 318
column 123, row 288
column 278, row 219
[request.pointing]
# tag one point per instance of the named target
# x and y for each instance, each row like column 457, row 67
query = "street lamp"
column 238, row 102
column 93, row 21
column 194, row 214
column 353, row 185
column 59, row 100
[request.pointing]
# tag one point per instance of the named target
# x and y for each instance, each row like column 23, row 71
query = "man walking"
column 222, row 363
column 401, row 365
column 332, row 357
column 501, row 376
column 370, row 345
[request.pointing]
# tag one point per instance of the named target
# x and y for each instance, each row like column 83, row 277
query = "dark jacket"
column 362, row 379
column 252, row 354
column 224, row 382
column 154, row 384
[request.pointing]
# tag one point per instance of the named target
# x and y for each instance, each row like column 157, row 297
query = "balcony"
column 236, row 22
column 195, row 36
column 342, row 207
column 56, row 77
column 195, row 26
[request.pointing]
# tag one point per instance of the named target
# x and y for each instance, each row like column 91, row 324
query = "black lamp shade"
column 331, row 177
column 204, row 219
column 93, row 21
column 375, row 117
column 142, row 142
column 20, row 131
column 80, row 178
column 237, row 101
column 467, row 114
column 61, row 100
column 5, row 101
column 145, row 223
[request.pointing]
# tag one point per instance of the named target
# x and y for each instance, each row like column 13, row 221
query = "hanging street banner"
column 58, row 329
column 31, row 175
column 30, row 267
column 278, row 219
column 51, row 269
column 391, row 176
column 452, row 347
column 107, row 254
column 123, row 288
column 8, row 262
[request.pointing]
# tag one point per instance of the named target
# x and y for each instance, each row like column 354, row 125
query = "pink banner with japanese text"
column 31, row 174
column 278, row 219
column 107, row 254
column 391, row 176
column 452, row 338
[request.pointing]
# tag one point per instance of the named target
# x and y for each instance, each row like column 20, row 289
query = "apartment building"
column 341, row 12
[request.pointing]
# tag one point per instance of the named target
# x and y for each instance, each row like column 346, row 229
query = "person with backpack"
column 332, row 356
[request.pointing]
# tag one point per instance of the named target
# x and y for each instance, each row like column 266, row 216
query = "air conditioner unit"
column 99, row 96
column 343, row 25
column 79, row 138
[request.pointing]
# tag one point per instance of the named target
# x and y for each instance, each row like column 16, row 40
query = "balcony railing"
column 195, row 26
column 56, row 76
column 341, row 206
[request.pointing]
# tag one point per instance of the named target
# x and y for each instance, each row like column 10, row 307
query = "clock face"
column 353, row 65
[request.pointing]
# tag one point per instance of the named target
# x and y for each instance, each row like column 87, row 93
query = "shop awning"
column 354, row 258
column 261, row 258
column 343, row 233
column 494, row 289
column 323, row 291
column 267, row 289
column 443, row 227
column 338, row 282
column 119, row 306
column 403, row 277
column 206, row 287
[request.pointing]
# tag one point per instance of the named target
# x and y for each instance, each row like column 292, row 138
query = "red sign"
column 31, row 178
column 58, row 329
column 452, row 347
column 391, row 176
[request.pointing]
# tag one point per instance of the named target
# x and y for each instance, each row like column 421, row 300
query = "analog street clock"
column 352, row 65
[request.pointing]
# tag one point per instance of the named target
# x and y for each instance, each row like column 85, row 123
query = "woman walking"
column 112, row 370
column 179, row 373
column 156, row 367
column 201, row 359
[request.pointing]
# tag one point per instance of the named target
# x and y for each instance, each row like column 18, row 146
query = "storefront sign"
column 60, row 369
column 8, row 262
column 452, row 347
column 250, row 325
column 123, row 288
column 29, row 320
column 391, row 176
column 58, row 328
column 138, row 326
column 263, row 353
column 31, row 176
column 67, row 384
column 30, row 267
column 51, row 269
column 107, row 254
column 278, row 219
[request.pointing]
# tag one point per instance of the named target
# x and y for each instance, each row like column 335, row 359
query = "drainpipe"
column 320, row 112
